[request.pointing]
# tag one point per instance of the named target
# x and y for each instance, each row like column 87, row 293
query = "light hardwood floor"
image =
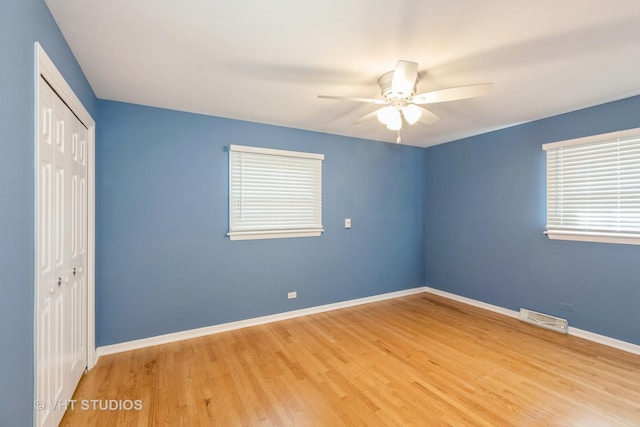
column 417, row 360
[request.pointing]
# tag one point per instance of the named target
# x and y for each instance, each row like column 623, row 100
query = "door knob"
column 61, row 280
column 77, row 270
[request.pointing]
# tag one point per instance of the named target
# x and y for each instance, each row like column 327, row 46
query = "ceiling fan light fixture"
column 387, row 114
column 411, row 113
column 395, row 123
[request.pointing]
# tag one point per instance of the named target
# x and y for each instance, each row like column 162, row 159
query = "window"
column 593, row 188
column 274, row 193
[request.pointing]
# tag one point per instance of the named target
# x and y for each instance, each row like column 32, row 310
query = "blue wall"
column 22, row 22
column 164, row 262
column 485, row 215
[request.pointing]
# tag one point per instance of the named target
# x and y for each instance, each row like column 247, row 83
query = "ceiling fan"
column 401, row 104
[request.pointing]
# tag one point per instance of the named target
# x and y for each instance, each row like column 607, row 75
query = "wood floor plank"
column 416, row 360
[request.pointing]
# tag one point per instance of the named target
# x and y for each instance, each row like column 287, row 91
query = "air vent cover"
column 544, row 320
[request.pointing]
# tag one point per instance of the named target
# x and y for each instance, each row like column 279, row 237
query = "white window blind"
column 593, row 188
column 274, row 193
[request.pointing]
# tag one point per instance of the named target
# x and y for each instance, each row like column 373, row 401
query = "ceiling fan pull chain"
column 398, row 140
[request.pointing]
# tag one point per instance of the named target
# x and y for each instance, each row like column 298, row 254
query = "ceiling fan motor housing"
column 385, row 82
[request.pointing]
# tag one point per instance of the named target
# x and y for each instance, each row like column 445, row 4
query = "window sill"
column 594, row 237
column 255, row 235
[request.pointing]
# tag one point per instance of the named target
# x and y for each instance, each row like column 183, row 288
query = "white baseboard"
column 224, row 327
column 600, row 339
column 473, row 302
column 209, row 330
column 604, row 340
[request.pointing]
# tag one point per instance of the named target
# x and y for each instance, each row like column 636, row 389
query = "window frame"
column 586, row 235
column 274, row 233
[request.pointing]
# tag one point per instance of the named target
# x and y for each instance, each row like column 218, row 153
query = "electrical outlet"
column 292, row 295
column 347, row 223
column 566, row 307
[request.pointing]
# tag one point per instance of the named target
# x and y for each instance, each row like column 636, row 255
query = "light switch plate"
column 347, row 223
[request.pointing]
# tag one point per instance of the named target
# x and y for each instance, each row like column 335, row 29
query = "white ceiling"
column 266, row 61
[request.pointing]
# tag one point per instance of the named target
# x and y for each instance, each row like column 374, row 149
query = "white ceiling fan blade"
column 404, row 78
column 354, row 99
column 452, row 94
column 428, row 117
column 369, row 116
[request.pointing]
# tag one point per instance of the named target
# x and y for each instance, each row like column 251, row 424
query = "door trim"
column 45, row 67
